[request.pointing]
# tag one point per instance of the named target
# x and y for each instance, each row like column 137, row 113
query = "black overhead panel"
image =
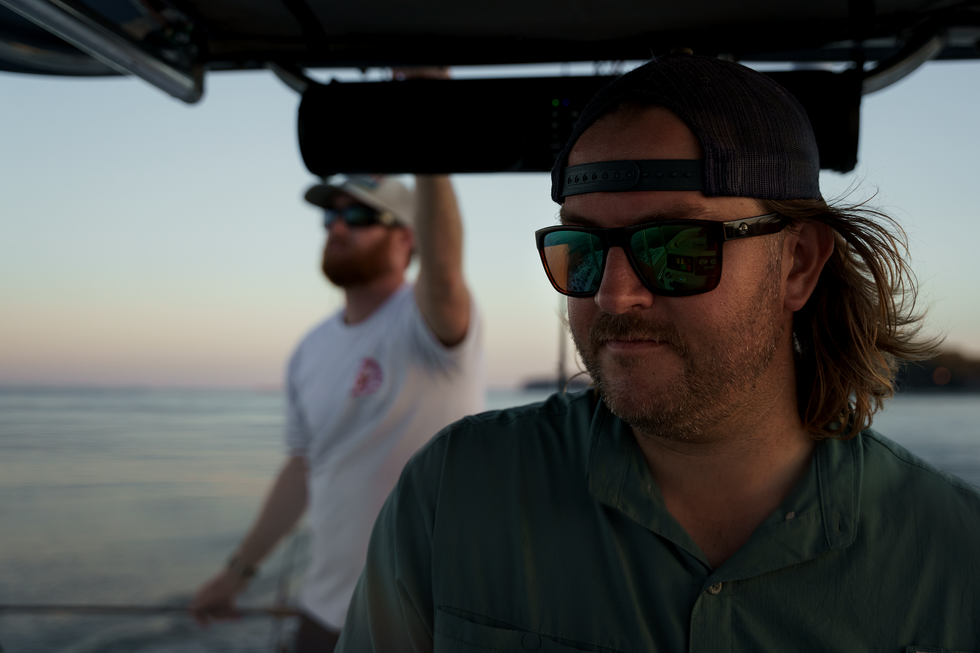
column 432, row 126
column 516, row 125
column 833, row 104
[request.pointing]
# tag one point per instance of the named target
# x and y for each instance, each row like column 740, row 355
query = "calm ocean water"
column 135, row 496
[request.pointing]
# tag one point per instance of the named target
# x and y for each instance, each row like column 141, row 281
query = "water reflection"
column 134, row 496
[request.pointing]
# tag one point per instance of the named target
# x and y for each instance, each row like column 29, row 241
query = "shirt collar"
column 819, row 514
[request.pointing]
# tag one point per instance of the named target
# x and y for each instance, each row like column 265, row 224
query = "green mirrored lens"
column 354, row 216
column 574, row 260
column 360, row 216
column 676, row 257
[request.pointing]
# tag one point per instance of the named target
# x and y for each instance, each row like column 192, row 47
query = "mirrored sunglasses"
column 671, row 257
column 358, row 215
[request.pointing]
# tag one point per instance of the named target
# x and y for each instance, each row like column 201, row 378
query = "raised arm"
column 283, row 507
column 440, row 290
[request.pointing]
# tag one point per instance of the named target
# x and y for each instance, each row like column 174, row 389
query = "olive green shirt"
column 541, row 528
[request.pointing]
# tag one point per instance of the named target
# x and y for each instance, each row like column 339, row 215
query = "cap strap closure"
column 618, row 176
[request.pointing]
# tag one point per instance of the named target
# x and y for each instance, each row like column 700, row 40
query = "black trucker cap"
column 756, row 138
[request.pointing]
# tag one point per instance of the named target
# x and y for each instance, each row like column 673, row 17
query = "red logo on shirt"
column 369, row 378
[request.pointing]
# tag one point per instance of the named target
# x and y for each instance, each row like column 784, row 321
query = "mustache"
column 334, row 238
column 632, row 327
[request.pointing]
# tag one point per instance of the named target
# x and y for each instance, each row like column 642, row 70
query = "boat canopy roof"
column 235, row 34
column 860, row 46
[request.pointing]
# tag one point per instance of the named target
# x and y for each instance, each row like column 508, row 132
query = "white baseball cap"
column 380, row 192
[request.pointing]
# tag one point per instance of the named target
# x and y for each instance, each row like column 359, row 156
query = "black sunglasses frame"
column 722, row 232
column 384, row 218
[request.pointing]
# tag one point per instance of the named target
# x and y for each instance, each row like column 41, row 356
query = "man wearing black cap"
column 365, row 388
column 720, row 489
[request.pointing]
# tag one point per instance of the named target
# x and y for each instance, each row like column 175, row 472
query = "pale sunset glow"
column 146, row 242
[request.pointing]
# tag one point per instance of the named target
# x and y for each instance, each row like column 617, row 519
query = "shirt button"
column 531, row 642
column 715, row 589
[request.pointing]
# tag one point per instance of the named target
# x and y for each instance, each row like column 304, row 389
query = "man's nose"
column 621, row 289
column 338, row 226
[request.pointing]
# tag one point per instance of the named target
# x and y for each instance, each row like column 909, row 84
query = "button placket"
column 710, row 628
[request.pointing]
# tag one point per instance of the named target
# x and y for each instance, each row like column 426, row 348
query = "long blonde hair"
column 860, row 322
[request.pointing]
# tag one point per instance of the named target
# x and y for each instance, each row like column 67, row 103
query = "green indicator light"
column 554, row 103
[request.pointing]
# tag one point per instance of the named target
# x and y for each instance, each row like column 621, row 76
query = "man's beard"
column 360, row 268
column 716, row 377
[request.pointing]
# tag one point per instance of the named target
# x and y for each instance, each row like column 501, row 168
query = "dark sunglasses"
column 358, row 215
column 671, row 257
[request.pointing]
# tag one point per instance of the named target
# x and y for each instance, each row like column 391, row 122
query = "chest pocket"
column 459, row 635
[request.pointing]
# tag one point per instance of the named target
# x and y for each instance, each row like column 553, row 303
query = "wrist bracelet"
column 236, row 566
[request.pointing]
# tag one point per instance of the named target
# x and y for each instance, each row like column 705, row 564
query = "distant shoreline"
column 948, row 373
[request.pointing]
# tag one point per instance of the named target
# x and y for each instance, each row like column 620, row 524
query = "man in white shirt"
column 365, row 388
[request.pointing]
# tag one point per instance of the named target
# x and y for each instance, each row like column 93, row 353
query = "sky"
column 148, row 242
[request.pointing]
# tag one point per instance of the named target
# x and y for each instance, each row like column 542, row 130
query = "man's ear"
column 409, row 236
column 407, row 243
column 804, row 254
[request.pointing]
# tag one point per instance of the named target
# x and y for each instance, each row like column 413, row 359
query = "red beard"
column 359, row 268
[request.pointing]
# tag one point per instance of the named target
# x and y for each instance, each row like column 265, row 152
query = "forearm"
column 283, row 507
column 439, row 229
column 440, row 289
column 215, row 599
